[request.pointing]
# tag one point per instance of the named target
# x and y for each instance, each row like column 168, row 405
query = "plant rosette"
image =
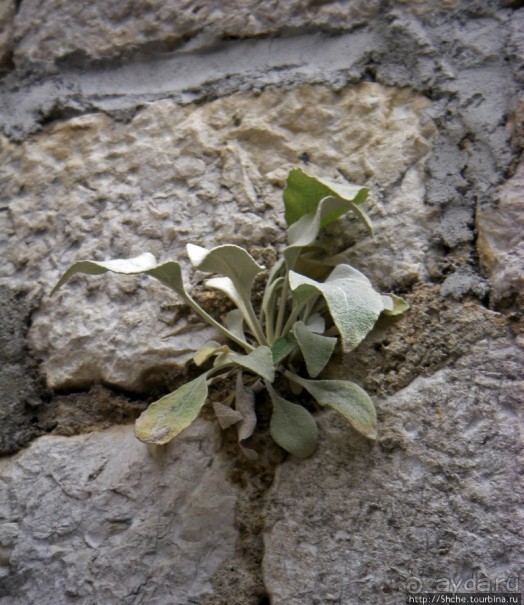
column 299, row 322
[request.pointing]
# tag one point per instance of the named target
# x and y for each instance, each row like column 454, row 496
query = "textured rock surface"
column 435, row 498
column 500, row 244
column 108, row 30
column 109, row 519
column 95, row 188
column 143, row 126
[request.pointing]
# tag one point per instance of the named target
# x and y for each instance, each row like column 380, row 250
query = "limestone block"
column 95, row 188
column 435, row 499
column 54, row 30
column 499, row 242
column 100, row 518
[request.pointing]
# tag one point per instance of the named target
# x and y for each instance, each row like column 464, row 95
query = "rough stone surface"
column 112, row 521
column 144, row 127
column 95, row 188
column 103, row 30
column 434, row 499
column 500, row 244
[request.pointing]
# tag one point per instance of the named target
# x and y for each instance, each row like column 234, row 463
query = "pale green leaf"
column 305, row 230
column 227, row 287
column 169, row 273
column 234, row 322
column 281, row 348
column 225, row 415
column 394, row 305
column 241, row 300
column 245, row 405
column 316, row 323
column 363, row 216
column 316, row 349
column 239, row 270
column 166, row 418
column 292, row 427
column 259, row 361
column 304, row 192
column 208, row 350
column 231, row 261
column 352, row 302
column 347, row 398
column 271, row 292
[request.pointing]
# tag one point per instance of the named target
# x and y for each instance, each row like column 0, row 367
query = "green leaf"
column 271, row 292
column 208, row 350
column 316, row 323
column 316, row 349
column 226, row 416
column 394, row 305
column 231, row 261
column 241, row 300
column 166, row 418
column 168, row 273
column 260, row 361
column 304, row 192
column 245, row 405
column 292, row 427
column 235, row 323
column 347, row 398
column 239, row 270
column 305, row 230
column 352, row 302
column 281, row 348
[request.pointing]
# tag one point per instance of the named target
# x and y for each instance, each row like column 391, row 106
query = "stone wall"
column 143, row 126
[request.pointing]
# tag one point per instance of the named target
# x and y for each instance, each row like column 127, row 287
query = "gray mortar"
column 20, row 384
column 467, row 67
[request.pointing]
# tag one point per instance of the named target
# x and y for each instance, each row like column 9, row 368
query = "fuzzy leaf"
column 352, row 302
column 305, row 230
column 316, row 323
column 166, row 418
column 348, row 399
column 231, row 261
column 394, row 305
column 245, row 405
column 292, row 427
column 304, row 192
column 281, row 348
column 270, row 294
column 316, row 349
column 208, row 350
column 239, row 270
column 260, row 361
column 235, row 323
column 169, row 273
column 226, row 416
column 227, row 287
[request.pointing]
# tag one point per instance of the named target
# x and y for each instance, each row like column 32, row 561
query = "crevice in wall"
column 242, row 575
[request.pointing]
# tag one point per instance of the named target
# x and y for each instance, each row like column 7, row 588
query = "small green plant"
column 308, row 303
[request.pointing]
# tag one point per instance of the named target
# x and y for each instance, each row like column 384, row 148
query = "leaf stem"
column 282, row 308
column 210, row 320
column 253, row 323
